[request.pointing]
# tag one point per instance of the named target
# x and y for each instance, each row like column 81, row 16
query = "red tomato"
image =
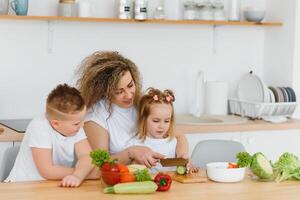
column 110, row 173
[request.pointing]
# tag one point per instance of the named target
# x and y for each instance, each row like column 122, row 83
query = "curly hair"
column 100, row 73
column 154, row 96
column 64, row 100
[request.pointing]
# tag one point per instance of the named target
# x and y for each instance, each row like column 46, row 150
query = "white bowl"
column 254, row 15
column 219, row 172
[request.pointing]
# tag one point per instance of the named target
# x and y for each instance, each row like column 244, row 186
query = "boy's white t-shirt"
column 164, row 146
column 40, row 134
column 120, row 124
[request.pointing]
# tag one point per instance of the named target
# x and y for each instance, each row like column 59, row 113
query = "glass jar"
column 159, row 13
column 218, row 10
column 205, row 10
column 67, row 8
column 190, row 10
column 141, row 9
column 125, row 9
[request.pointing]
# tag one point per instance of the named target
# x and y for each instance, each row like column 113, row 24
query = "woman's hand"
column 71, row 181
column 144, row 155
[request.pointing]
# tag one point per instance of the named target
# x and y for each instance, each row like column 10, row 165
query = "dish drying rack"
column 258, row 110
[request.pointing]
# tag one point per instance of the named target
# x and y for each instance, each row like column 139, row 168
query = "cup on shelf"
column 20, row 7
column 84, row 9
column 4, row 7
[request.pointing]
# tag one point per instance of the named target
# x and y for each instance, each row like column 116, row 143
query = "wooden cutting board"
column 190, row 178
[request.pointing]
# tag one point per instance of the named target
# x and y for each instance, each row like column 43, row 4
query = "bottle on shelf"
column 141, row 9
column 234, row 10
column 125, row 8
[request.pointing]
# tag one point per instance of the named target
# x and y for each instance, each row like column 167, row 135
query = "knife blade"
column 173, row 162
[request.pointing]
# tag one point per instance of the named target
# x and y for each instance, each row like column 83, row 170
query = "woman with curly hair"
column 111, row 87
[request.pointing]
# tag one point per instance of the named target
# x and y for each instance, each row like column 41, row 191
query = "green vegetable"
column 181, row 170
column 244, row 159
column 261, row 166
column 296, row 174
column 99, row 157
column 144, row 187
column 143, row 175
column 286, row 167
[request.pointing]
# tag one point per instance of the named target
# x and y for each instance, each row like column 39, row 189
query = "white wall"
column 168, row 55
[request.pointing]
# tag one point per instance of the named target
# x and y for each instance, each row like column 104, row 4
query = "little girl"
column 155, row 125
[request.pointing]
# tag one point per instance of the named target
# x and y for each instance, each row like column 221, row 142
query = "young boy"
column 52, row 141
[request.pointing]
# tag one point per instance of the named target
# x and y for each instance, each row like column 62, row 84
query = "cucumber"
column 144, row 187
column 181, row 170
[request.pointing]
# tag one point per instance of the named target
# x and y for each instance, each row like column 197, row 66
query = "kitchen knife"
column 173, row 162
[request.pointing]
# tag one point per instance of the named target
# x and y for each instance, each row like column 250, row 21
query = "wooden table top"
column 93, row 190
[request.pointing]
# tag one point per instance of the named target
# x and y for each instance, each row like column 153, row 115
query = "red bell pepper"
column 163, row 181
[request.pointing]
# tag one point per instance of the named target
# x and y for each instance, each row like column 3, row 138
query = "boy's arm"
column 84, row 163
column 43, row 161
column 182, row 147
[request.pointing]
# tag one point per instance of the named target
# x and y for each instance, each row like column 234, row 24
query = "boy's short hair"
column 64, row 100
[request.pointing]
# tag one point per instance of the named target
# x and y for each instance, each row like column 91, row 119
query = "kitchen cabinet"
column 3, row 147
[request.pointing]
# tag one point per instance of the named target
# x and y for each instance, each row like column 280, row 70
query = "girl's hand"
column 191, row 168
column 70, row 181
column 144, row 155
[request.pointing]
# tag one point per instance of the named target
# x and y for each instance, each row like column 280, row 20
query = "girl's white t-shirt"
column 164, row 146
column 120, row 124
column 40, row 134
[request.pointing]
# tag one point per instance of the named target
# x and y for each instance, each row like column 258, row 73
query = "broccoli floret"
column 244, row 159
column 261, row 166
column 285, row 166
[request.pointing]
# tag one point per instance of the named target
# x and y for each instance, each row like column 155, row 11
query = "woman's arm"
column 99, row 139
column 182, row 147
column 43, row 161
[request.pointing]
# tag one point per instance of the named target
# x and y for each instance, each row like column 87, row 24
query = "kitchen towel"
column 216, row 98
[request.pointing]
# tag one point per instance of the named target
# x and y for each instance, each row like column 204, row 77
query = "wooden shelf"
column 149, row 21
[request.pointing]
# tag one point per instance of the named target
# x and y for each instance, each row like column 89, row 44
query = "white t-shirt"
column 164, row 146
column 120, row 125
column 40, row 134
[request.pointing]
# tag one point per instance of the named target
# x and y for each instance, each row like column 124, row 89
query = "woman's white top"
column 164, row 146
column 40, row 134
column 120, row 124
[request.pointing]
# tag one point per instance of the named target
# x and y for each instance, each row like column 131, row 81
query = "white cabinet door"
column 272, row 143
column 3, row 147
column 194, row 138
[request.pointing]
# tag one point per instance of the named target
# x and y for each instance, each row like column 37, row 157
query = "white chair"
column 207, row 151
column 8, row 161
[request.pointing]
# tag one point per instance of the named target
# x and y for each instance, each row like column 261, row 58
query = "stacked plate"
column 252, row 88
column 282, row 94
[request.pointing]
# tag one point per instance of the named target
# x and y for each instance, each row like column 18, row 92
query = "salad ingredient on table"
column 163, row 181
column 144, row 187
column 287, row 167
column 181, row 170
